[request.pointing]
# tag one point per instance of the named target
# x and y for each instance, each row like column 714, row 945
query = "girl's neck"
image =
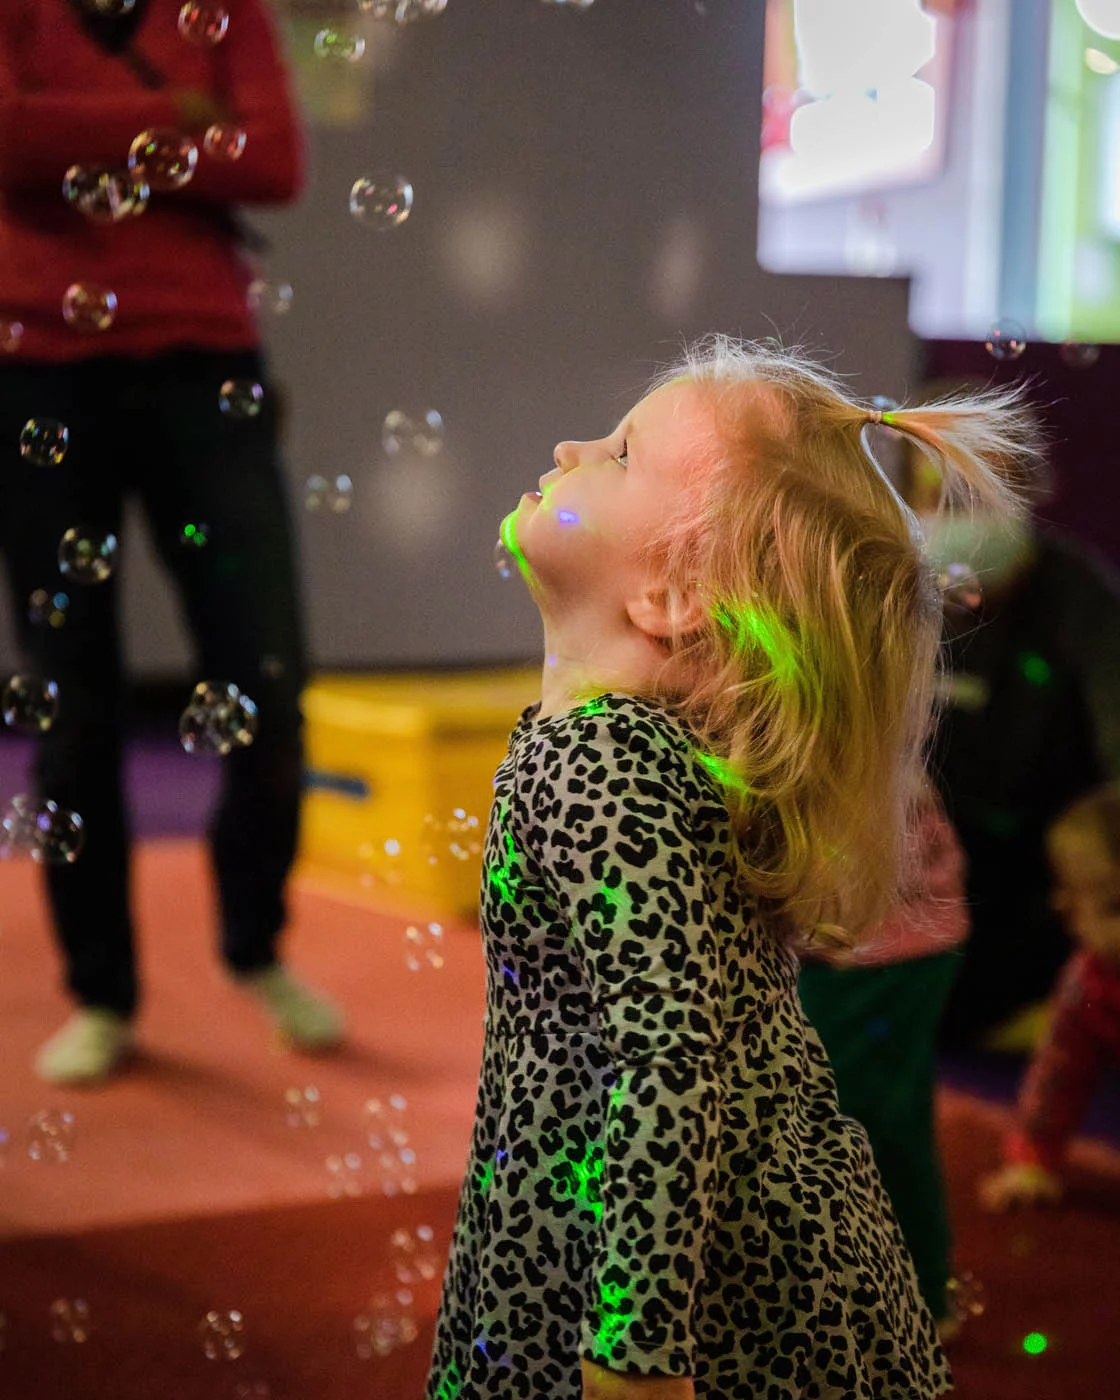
column 576, row 670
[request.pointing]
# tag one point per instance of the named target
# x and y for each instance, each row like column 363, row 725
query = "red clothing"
column 179, row 278
column 1084, row 1036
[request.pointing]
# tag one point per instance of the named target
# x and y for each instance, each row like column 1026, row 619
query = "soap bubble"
column 19, row 831
column 50, row 1135
column 402, row 11
column 385, row 1121
column 386, row 1324
column 1079, row 355
column 224, row 142
column 70, row 1320
column 88, row 306
column 222, row 1335
column 162, row 158
column 420, row 433
column 115, row 8
column 966, row 1296
column 301, row 1107
column 339, row 44
column 337, row 493
column 104, row 195
column 240, row 398
column 46, row 609
column 203, row 23
column 382, row 200
column 11, row 333
column 423, row 946
column 1006, row 340
column 383, row 862
column 960, row 586
column 195, row 536
column 413, row 1254
column 457, row 836
column 504, row 561
column 43, row 442
column 30, row 704
column 344, row 1172
column 273, row 297
column 60, row 835
column 218, row 719
column 87, row 554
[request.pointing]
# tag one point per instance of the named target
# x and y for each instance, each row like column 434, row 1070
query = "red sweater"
column 178, row 275
column 1083, row 1038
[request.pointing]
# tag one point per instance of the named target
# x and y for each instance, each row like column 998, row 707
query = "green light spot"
column 485, row 1179
column 753, row 630
column 503, row 878
column 615, row 1321
column 1034, row 1343
column 593, row 707
column 723, row 773
column 450, row 1384
column 1035, row 668
column 580, row 1180
column 617, row 900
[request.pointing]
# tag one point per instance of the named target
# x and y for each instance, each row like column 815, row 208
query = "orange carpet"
column 189, row 1190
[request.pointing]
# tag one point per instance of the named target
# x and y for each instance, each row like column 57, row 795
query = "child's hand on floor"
column 1018, row 1184
column 601, row 1384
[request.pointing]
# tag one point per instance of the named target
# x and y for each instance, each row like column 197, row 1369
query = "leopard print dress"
column 659, row 1179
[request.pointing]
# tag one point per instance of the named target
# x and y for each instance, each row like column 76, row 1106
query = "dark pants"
column 878, row 1025
column 153, row 429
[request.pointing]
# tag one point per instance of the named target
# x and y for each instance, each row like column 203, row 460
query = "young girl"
column 1084, row 1033
column 663, row 1200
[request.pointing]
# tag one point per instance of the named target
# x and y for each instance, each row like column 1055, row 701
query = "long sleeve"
column 1063, row 1072
column 625, row 864
column 45, row 130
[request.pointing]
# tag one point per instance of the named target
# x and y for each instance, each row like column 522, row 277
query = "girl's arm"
column 623, row 854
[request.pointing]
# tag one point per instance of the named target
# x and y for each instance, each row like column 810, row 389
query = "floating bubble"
column 420, row 433
column 50, row 1135
column 423, row 947
column 881, row 403
column 413, row 1254
column 272, row 297
column 30, row 704
column 218, row 719
column 1006, row 340
column 70, row 1320
column 88, row 306
column 960, row 586
column 382, row 200
column 337, row 493
column 402, row 11
column 104, row 195
column 115, row 8
column 224, row 142
column 339, row 44
column 241, row 398
column 60, row 835
column 344, row 1175
column 222, row 1335
column 164, row 159
column 43, row 442
column 11, row 334
column 386, row 1324
column 383, row 862
column 967, row 1296
column 504, row 561
column 195, row 536
column 87, row 554
column 1079, row 355
column 19, row 830
column 302, row 1107
column 253, row 1390
column 46, row 609
column 203, row 23
column 457, row 836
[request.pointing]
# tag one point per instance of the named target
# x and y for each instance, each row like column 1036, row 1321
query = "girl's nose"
column 566, row 455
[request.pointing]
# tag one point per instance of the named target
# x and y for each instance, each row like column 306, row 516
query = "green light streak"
column 752, row 630
column 723, row 773
column 502, row 878
column 451, row 1383
column 614, row 1321
column 617, row 901
column 507, row 533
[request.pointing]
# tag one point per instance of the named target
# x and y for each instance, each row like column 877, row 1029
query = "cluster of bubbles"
column 50, row 1135
column 387, row 1135
column 966, row 1296
column 218, row 719
column 48, row 833
column 30, row 704
column 70, row 1320
column 1007, row 340
column 222, row 1335
column 457, row 836
column 336, row 493
column 389, row 1321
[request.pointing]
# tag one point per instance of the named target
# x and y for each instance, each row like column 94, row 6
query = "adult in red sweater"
column 140, row 397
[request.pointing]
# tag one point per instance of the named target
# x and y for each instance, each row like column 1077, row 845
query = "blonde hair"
column 811, row 681
column 1096, row 816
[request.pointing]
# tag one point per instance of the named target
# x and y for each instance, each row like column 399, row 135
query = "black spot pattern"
column 660, row 1179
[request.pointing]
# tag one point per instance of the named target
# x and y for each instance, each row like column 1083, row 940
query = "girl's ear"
column 664, row 612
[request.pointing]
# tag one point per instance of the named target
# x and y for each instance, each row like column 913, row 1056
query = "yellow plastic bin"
column 399, row 778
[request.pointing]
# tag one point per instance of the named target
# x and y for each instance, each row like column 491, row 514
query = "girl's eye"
column 622, row 457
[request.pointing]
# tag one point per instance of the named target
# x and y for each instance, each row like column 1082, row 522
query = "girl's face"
column 581, row 537
column 1088, row 896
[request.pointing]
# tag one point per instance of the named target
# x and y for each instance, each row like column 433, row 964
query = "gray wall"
column 610, row 156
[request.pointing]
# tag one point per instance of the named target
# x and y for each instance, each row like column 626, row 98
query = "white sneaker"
column 87, row 1049
column 304, row 1017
